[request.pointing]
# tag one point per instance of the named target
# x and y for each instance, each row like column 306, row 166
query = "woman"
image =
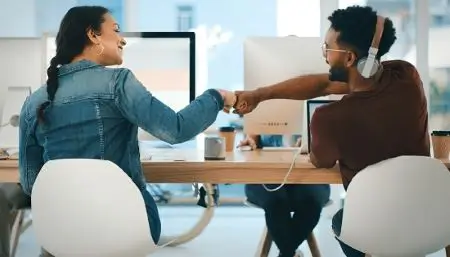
column 89, row 111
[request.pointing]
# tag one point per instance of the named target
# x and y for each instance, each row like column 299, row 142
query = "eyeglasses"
column 325, row 50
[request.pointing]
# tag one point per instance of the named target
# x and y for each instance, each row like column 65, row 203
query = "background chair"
column 20, row 224
column 398, row 208
column 84, row 207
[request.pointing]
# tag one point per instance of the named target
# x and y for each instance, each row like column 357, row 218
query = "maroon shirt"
column 364, row 128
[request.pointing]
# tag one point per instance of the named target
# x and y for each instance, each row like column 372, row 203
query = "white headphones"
column 369, row 66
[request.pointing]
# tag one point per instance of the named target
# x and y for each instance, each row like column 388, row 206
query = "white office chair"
column 84, row 207
column 398, row 208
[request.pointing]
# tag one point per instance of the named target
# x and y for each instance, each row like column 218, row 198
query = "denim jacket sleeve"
column 140, row 107
column 30, row 153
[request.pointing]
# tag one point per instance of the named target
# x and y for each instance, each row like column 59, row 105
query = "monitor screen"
column 163, row 61
column 270, row 60
column 312, row 105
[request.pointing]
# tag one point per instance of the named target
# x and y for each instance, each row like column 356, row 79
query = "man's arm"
column 250, row 139
column 302, row 88
column 254, row 137
column 324, row 151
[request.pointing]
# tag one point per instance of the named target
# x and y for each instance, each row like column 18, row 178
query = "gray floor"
column 234, row 231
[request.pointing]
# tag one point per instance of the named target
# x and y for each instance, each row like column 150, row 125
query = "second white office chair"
column 398, row 208
column 84, row 207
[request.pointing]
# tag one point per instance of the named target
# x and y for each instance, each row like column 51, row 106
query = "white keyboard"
column 245, row 148
column 280, row 149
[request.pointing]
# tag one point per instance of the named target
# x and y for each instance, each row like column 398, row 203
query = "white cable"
column 209, row 192
column 166, row 244
column 299, row 151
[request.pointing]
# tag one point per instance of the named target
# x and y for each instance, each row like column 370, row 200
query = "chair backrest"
column 84, row 207
column 398, row 207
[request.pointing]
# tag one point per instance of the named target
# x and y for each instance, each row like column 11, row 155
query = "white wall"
column 17, row 18
column 21, row 62
column 326, row 9
column 57, row 9
column 298, row 17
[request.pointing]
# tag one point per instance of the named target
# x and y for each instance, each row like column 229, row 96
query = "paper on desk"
column 9, row 153
column 147, row 157
column 167, row 157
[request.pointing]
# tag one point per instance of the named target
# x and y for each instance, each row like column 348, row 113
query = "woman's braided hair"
column 71, row 40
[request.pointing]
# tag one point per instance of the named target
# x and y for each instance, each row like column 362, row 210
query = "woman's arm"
column 142, row 108
column 30, row 153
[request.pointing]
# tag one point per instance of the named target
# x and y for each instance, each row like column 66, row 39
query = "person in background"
column 362, row 128
column 86, row 110
column 291, row 212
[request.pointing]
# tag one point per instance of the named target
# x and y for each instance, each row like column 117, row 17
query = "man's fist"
column 246, row 102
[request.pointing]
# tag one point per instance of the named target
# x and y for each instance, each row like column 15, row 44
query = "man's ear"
column 93, row 37
column 351, row 59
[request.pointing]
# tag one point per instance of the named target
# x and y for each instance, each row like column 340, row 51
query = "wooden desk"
column 240, row 167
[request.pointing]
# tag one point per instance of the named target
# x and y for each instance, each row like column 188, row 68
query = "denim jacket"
column 96, row 114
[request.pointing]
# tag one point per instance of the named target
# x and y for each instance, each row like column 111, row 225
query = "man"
column 288, row 231
column 382, row 117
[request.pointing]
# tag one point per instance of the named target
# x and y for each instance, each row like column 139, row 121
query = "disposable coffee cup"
column 441, row 144
column 229, row 133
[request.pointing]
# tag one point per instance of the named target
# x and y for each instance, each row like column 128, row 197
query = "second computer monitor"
column 163, row 61
column 269, row 60
column 312, row 105
column 165, row 64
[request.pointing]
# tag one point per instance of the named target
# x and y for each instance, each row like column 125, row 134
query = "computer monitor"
column 3, row 93
column 20, row 66
column 163, row 61
column 311, row 106
column 269, row 60
column 12, row 106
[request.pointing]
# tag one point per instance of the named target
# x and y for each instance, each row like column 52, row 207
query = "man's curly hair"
column 356, row 26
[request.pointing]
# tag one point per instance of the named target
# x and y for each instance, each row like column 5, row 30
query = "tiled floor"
column 234, row 231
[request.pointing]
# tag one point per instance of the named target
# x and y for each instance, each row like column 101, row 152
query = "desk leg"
column 447, row 251
column 198, row 227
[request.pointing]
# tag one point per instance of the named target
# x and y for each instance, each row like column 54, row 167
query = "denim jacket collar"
column 76, row 66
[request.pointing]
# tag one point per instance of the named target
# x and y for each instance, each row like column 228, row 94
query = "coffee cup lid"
column 227, row 129
column 440, row 133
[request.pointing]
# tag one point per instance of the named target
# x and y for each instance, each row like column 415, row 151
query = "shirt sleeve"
column 30, row 152
column 324, row 148
column 140, row 107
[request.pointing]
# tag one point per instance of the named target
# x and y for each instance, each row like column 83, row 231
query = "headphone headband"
column 369, row 65
column 377, row 36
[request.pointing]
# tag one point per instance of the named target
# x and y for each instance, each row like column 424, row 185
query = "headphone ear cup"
column 372, row 71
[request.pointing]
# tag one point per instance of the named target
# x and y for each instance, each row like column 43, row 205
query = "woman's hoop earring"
column 102, row 48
